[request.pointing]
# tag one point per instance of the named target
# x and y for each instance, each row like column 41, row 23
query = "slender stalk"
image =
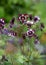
column 12, row 59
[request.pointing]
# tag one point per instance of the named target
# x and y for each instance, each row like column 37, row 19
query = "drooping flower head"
column 2, row 23
column 29, row 23
column 23, row 18
column 12, row 33
column 36, row 19
column 30, row 33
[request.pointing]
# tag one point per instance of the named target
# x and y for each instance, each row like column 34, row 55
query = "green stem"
column 12, row 59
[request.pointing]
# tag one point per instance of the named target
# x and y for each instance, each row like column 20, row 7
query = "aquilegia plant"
column 21, row 41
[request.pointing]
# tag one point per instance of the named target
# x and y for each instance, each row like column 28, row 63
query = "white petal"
column 29, row 22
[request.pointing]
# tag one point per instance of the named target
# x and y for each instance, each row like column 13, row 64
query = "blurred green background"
column 10, row 8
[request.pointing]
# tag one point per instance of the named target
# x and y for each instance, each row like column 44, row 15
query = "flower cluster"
column 2, row 23
column 24, row 18
column 27, row 20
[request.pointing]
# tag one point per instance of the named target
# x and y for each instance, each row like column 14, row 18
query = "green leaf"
column 2, row 52
column 7, row 63
column 2, row 43
column 2, row 12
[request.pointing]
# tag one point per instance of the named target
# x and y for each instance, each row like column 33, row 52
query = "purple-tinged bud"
column 41, row 26
column 15, row 33
column 12, row 21
column 23, row 35
column 10, row 26
column 30, row 16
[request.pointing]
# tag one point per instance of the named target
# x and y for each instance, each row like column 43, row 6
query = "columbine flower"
column 41, row 26
column 12, row 33
column 36, row 19
column 29, row 23
column 30, row 33
column 2, row 23
column 26, row 15
column 22, row 18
